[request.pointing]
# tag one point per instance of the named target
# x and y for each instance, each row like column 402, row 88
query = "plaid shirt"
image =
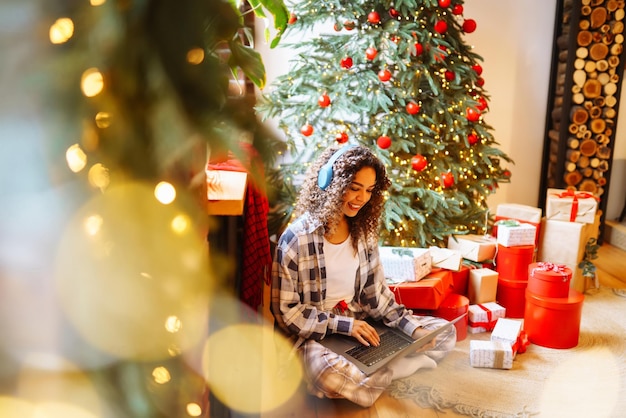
column 299, row 288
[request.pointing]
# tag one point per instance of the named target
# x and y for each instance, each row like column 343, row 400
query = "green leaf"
column 249, row 61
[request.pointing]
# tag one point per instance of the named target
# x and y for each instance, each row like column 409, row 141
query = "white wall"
column 515, row 40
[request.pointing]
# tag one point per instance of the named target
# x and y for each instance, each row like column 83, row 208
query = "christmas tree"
column 400, row 78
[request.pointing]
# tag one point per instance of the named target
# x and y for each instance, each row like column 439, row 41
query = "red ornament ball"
column 349, row 25
column 444, row 3
column 472, row 138
column 419, row 162
column 342, row 137
column 346, row 63
column 370, row 53
column 412, row 108
column 472, row 114
column 373, row 18
column 477, row 69
column 306, row 130
column 292, row 19
column 384, row 75
column 394, row 13
column 337, row 27
column 441, row 26
column 447, row 179
column 383, row 141
column 418, row 49
column 469, row 25
column 480, row 82
column 482, row 104
column 457, row 9
column 449, row 75
column 324, row 100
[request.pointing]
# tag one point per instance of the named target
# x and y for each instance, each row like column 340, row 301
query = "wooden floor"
column 611, row 265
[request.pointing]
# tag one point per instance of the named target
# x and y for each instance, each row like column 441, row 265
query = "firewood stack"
column 586, row 94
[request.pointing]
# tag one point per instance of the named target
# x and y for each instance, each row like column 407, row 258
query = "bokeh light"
column 586, row 385
column 76, row 158
column 194, row 410
column 15, row 407
column 92, row 82
column 165, row 192
column 61, row 30
column 98, row 176
column 161, row 375
column 57, row 388
column 195, row 56
column 103, row 120
column 122, row 274
column 249, row 367
column 180, row 223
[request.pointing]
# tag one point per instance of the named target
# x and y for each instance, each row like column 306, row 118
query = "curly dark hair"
column 325, row 205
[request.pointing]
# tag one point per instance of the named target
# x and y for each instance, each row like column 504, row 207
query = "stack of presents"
column 520, row 283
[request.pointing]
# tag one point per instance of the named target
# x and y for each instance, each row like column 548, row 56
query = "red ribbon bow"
column 547, row 266
column 521, row 343
column 575, row 195
column 490, row 324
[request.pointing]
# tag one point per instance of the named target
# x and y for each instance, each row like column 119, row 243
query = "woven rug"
column 588, row 380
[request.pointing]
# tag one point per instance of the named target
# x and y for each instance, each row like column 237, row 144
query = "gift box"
column 451, row 307
column 511, row 295
column 483, row 317
column 508, row 331
column 554, row 322
column 512, row 262
column 482, row 285
column 473, row 247
column 491, row 354
column 402, row 264
column 564, row 243
column 226, row 191
column 549, row 279
column 513, row 233
column 427, row 293
column 522, row 213
column 571, row 206
column 445, row 258
column 460, row 279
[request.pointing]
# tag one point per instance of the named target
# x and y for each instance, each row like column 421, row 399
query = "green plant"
column 591, row 253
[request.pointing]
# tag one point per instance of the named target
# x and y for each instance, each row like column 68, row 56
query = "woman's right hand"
column 365, row 333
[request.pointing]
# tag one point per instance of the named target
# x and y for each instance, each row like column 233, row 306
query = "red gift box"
column 549, row 280
column 460, row 279
column 427, row 293
column 512, row 262
column 554, row 322
column 451, row 307
column 511, row 294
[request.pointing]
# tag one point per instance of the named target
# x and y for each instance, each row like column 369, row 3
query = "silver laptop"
column 393, row 344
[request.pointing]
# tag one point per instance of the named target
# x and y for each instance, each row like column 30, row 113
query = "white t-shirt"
column 342, row 264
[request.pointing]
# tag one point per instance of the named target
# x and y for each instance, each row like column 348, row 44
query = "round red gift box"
column 451, row 307
column 553, row 322
column 511, row 295
column 549, row 280
column 512, row 262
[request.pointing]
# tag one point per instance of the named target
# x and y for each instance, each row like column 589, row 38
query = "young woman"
column 327, row 278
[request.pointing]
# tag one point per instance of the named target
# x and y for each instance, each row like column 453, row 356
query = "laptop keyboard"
column 390, row 342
